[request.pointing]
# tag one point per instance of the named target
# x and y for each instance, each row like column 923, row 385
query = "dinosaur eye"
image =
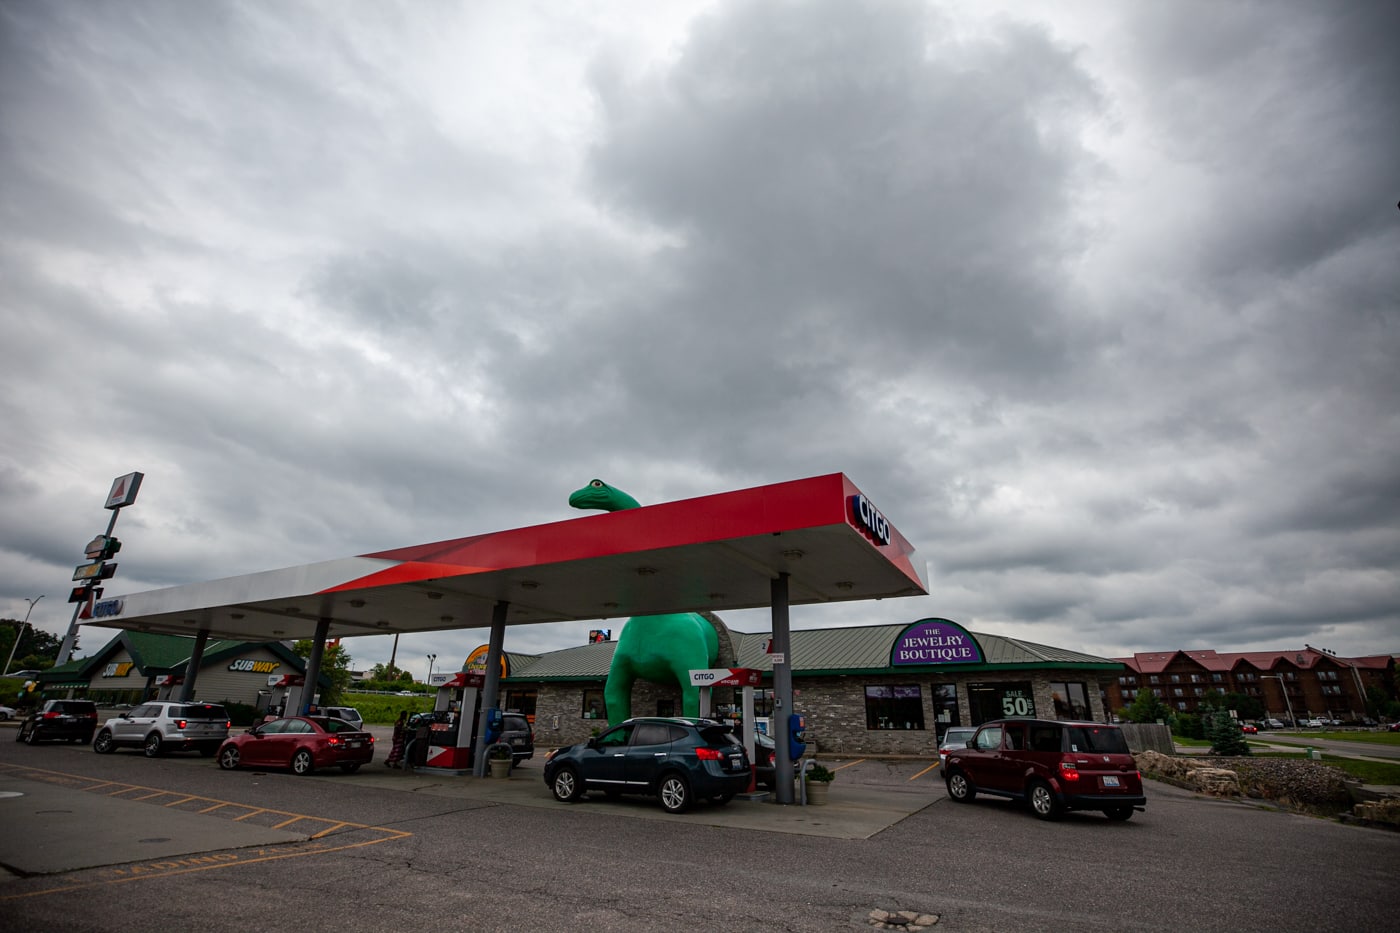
column 597, row 484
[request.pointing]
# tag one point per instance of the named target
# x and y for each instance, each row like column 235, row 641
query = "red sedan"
column 1247, row 729
column 302, row 743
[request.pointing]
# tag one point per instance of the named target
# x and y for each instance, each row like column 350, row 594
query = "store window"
column 1071, row 700
column 945, row 708
column 894, row 707
column 593, row 705
column 998, row 701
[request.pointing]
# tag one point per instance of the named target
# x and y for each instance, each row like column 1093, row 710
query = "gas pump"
column 284, row 694
column 451, row 737
column 745, row 677
column 165, row 686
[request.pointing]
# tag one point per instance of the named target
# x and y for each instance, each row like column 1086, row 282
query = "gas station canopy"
column 718, row 552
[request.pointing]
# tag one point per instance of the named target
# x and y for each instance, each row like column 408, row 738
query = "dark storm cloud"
column 1098, row 304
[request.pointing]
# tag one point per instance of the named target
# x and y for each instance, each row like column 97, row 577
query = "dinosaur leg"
column 617, row 693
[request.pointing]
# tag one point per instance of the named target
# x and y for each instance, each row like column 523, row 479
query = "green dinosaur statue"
column 663, row 648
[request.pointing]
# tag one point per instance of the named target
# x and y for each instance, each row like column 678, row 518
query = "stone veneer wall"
column 834, row 707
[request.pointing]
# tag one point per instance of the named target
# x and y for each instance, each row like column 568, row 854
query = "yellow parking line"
column 925, row 771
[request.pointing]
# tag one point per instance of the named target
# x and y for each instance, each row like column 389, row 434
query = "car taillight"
column 228, row 723
column 1069, row 771
column 332, row 740
column 52, row 715
column 181, row 723
column 708, row 754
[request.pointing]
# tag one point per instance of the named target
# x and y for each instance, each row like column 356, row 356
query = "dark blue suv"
column 679, row 760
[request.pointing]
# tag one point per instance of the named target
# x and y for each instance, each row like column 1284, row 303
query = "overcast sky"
column 1099, row 302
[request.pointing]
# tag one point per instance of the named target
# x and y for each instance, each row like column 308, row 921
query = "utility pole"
column 20, row 633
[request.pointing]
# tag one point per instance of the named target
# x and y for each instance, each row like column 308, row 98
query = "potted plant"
column 499, row 759
column 818, row 781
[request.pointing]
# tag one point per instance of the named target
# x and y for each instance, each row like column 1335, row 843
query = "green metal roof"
column 862, row 649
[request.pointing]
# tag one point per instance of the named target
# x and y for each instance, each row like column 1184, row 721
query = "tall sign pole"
column 98, row 550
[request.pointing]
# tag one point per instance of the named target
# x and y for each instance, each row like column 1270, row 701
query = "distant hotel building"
column 1316, row 684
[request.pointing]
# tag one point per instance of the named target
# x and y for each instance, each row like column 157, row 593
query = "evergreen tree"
column 1223, row 732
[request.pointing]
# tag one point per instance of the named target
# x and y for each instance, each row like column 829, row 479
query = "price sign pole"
column 98, row 551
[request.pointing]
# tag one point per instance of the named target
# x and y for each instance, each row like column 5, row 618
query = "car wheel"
column 674, row 792
column 32, row 738
column 228, row 757
column 19, row 734
column 1120, row 814
column 152, row 746
column 302, row 763
column 1044, row 803
column 960, row 789
column 104, row 745
column 566, row 785
column 350, row 767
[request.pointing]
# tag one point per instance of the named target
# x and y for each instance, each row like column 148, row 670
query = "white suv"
column 160, row 727
column 347, row 713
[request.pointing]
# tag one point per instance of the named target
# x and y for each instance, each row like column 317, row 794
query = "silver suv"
column 160, row 727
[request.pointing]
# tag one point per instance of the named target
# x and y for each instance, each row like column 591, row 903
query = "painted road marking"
column 357, row 835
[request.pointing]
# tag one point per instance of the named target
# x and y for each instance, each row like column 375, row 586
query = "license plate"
column 357, row 744
column 735, row 763
column 517, row 741
column 1110, row 782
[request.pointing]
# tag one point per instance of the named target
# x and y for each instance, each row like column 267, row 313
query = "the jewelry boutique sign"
column 935, row 641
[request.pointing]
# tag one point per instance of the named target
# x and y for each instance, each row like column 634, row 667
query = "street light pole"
column 1283, row 686
column 20, row 633
column 431, row 659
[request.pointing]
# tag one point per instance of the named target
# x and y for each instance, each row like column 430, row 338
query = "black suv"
column 516, row 732
column 73, row 720
column 678, row 759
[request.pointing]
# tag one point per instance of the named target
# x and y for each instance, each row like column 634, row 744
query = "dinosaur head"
column 599, row 495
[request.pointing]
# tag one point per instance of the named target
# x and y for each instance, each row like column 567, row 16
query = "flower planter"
column 816, row 793
column 500, row 768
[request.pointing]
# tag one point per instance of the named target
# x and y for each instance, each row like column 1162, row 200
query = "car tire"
column 152, row 747
column 960, row 788
column 350, row 767
column 1044, row 803
column 19, row 734
column 32, row 738
column 1119, row 814
column 566, row 785
column 228, row 757
column 302, row 763
column 674, row 793
column 103, row 744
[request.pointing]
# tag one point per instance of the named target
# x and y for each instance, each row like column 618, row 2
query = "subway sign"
column 869, row 520
column 249, row 666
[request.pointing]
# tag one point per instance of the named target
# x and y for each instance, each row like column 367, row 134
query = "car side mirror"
column 124, row 716
column 593, row 742
column 972, row 742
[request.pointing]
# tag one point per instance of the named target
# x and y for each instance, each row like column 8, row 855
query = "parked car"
column 302, row 743
column 347, row 713
column 1315, row 723
column 1053, row 766
column 1249, row 728
column 1393, row 727
column 1273, row 723
column 518, row 734
column 70, row 720
column 955, row 738
column 7, row 713
column 677, row 759
column 157, row 728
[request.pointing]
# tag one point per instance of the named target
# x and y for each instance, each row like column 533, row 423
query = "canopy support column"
column 192, row 668
column 782, row 689
column 313, row 665
column 491, row 690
